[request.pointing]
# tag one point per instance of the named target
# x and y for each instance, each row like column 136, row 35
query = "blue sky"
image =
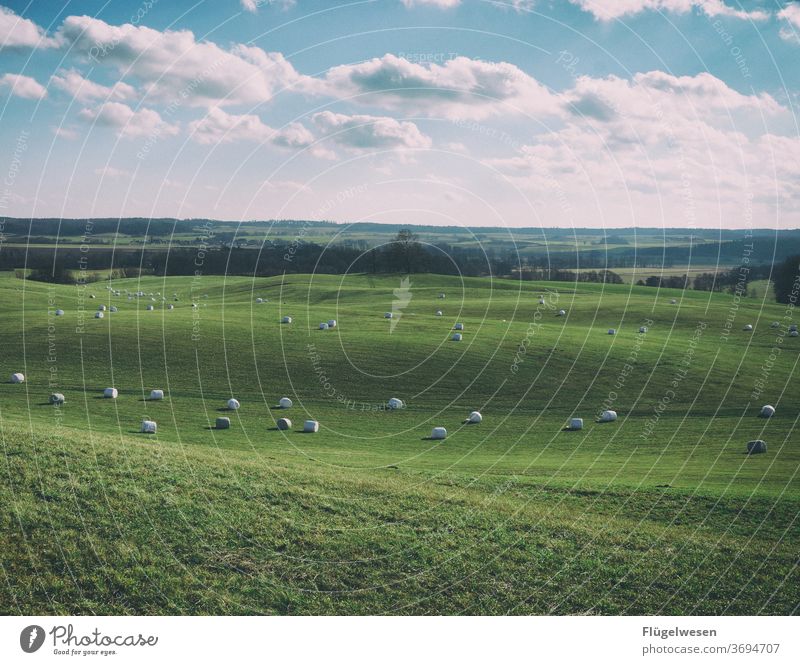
column 521, row 113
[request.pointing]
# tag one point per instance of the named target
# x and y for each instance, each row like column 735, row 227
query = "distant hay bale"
column 673, row 302
column 395, row 403
column 59, row 312
column 608, row 416
column 110, row 393
column 441, row 295
column 286, row 319
column 99, row 315
column 149, row 427
column 756, row 447
column 112, row 309
column 156, row 394
column 793, row 327
column 767, row 411
column 323, row 326
column 458, row 326
column 285, row 403
column 223, row 423
column 92, row 295
column 643, row 329
column 562, row 312
column 576, row 423
column 456, row 337
column 17, row 377
column 102, row 308
column 57, row 398
column 438, row 312
column 387, row 315
column 284, row 423
column 475, row 417
column 311, row 426
column 774, row 324
column 438, row 433
column 612, row 331
column 793, row 333
column 170, row 306
column 149, row 308
column 747, row 327
column 332, row 323
column 541, row 301
column 259, row 300
column 233, row 404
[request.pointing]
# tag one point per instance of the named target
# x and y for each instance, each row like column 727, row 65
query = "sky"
column 517, row 113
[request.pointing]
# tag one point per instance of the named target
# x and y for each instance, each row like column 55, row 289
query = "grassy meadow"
column 658, row 512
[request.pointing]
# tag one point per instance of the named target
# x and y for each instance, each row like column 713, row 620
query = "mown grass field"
column 658, row 512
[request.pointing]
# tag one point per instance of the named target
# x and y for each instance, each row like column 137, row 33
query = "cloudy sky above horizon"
column 603, row 113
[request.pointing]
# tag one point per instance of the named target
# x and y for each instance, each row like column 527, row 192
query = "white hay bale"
column 562, row 312
column 756, row 447
column 458, row 326
column 793, row 333
column 110, row 393
column 17, row 377
column 99, row 315
column 170, row 306
column 643, row 329
column 149, row 427
column 285, row 403
column 395, row 403
column 286, row 319
column 323, row 326
column 673, row 302
column 149, row 308
column 747, row 327
column 438, row 433
column 456, row 337
column 233, row 404
column 156, row 394
column 774, row 324
column 576, row 423
column 102, row 308
column 259, row 300
column 284, row 424
column 332, row 323
column 475, row 417
column 311, row 426
column 767, row 411
column 608, row 416
column 387, row 315
column 223, row 423
column 612, row 331
column 59, row 312
column 91, row 295
column 793, row 327
column 112, row 309
column 441, row 295
column 438, row 312
column 57, row 398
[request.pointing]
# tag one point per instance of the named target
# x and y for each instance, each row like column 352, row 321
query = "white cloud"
column 791, row 14
column 461, row 87
column 65, row 133
column 112, row 173
column 173, row 66
column 365, row 132
column 129, row 122
column 23, row 86
column 18, row 32
column 253, row 5
column 441, row 4
column 84, row 90
column 607, row 10
column 217, row 126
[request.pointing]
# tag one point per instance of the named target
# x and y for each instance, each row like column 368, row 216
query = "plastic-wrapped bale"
column 99, row 315
column 456, row 337
column 541, row 301
column 17, row 377
column 156, row 394
column 458, row 326
column 259, row 300
column 562, row 312
column 438, row 433
column 612, row 331
column 576, row 423
column 286, row 319
column 793, row 333
column 170, row 306
column 102, row 308
column 57, row 398
column 233, row 404
column 311, row 426
column 387, row 315
column 438, row 312
column 747, row 327
column 110, row 393
column 441, row 295
column 793, row 327
column 767, row 411
column 323, row 326
column 112, row 309
column 673, row 302
column 149, row 427
column 285, row 403
column 395, row 403
column 643, row 329
column 149, row 308
column 223, row 423
column 332, row 323
column 608, row 416
column 475, row 417
column 774, row 324
column 59, row 312
column 756, row 447
column 284, row 424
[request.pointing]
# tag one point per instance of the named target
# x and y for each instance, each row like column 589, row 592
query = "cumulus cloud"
column 366, row 132
column 217, row 126
column 607, row 10
column 441, row 4
column 173, row 65
column 23, row 86
column 18, row 32
column 128, row 122
column 791, row 14
column 84, row 90
column 253, row 5
column 460, row 87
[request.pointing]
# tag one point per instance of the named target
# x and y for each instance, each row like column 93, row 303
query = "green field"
column 658, row 512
